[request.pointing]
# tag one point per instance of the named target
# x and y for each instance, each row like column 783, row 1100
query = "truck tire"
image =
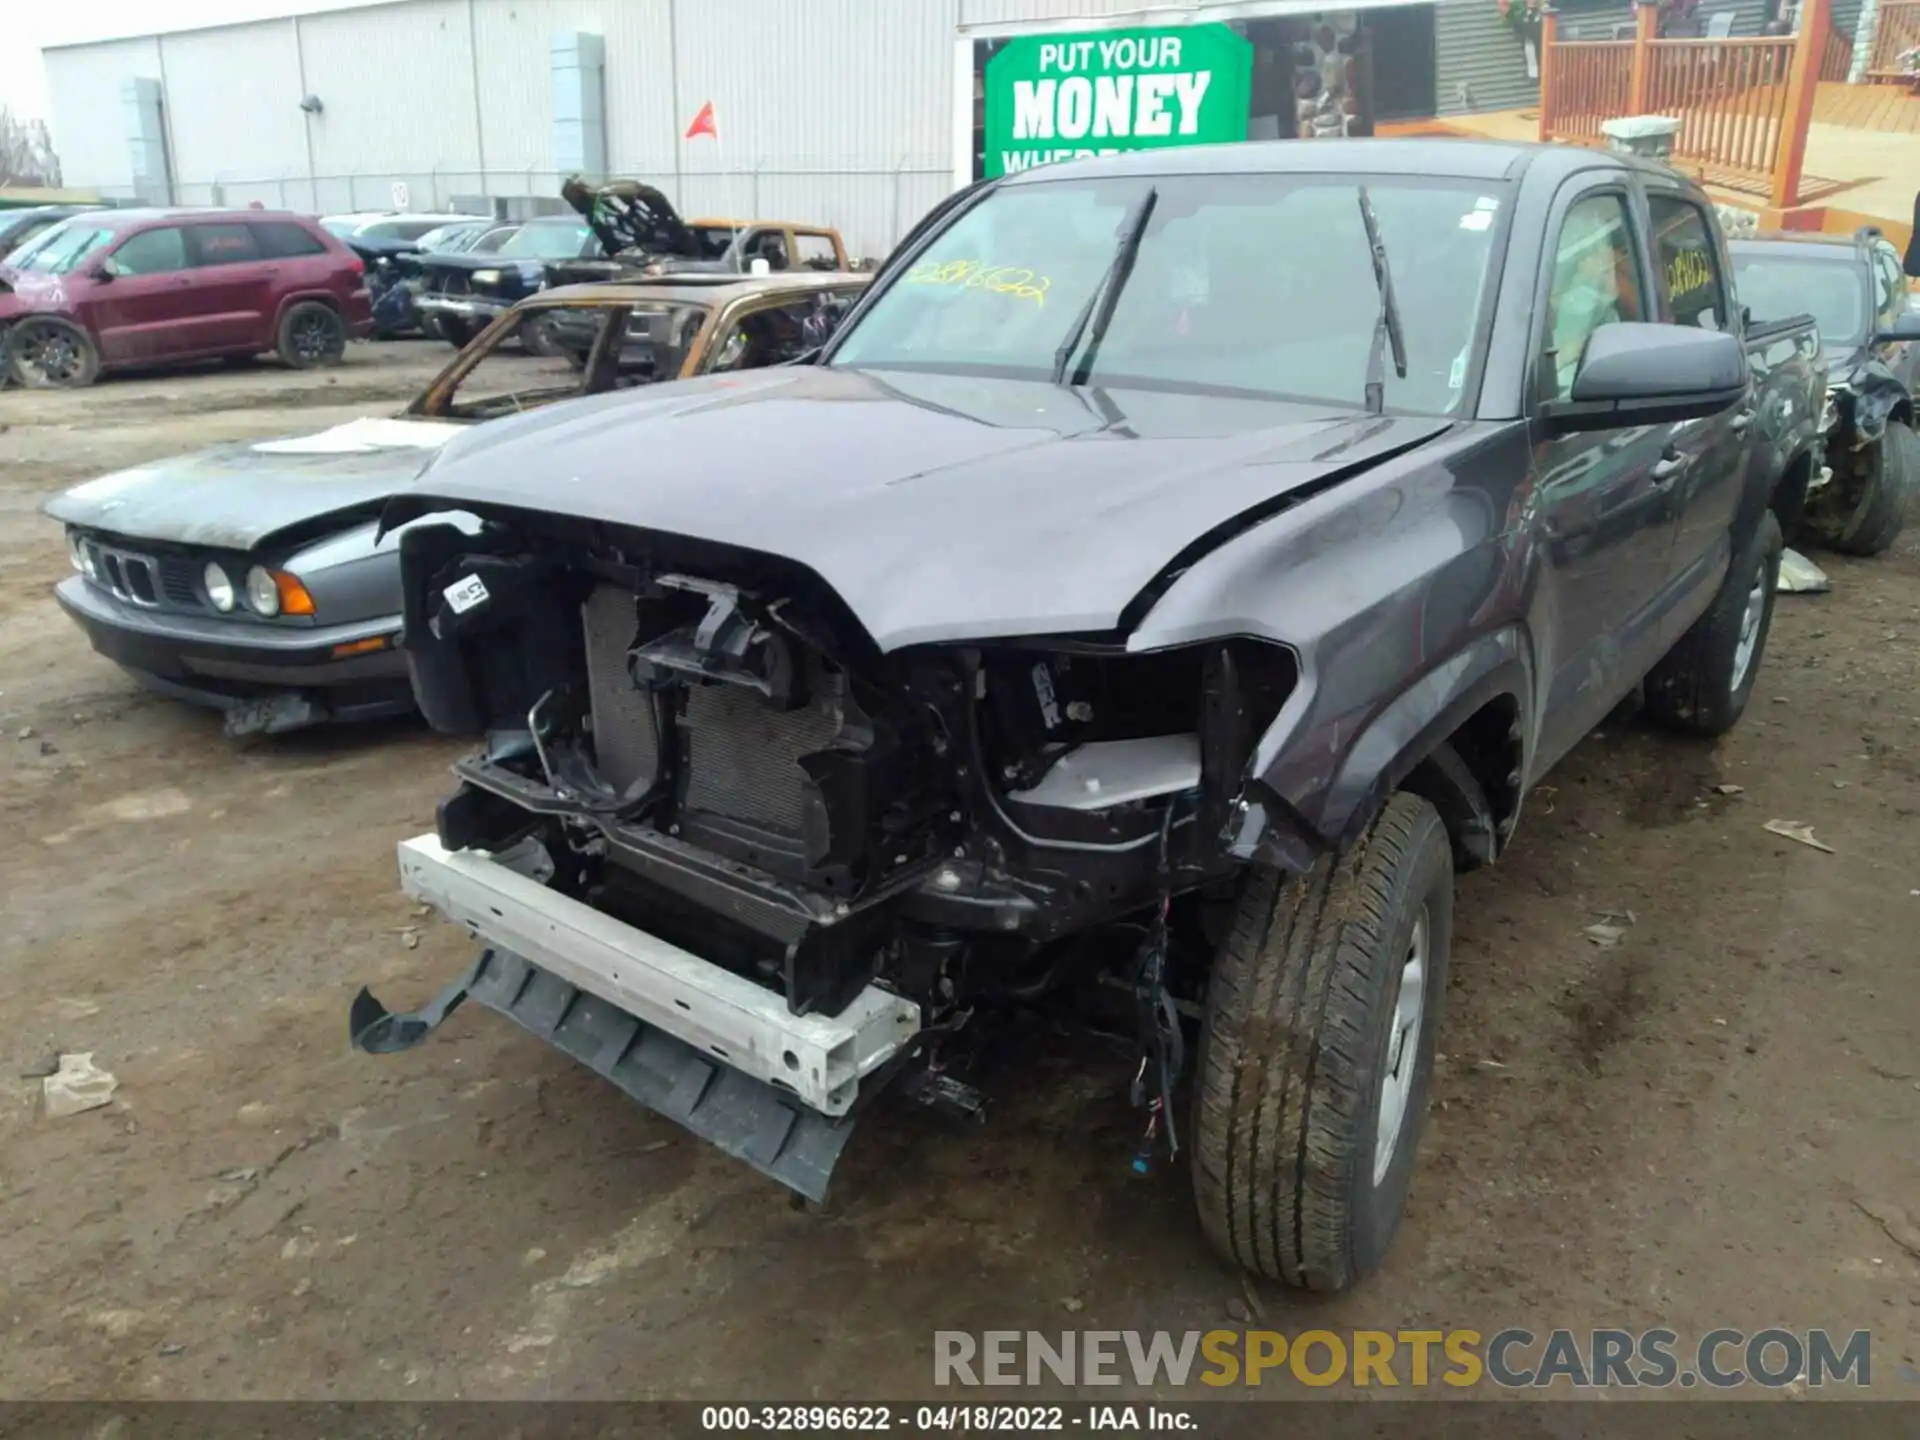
column 310, row 335
column 45, row 352
column 1703, row 684
column 1322, row 1009
column 456, row 330
column 1876, row 522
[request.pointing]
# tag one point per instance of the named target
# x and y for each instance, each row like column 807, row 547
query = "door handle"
column 1741, row 421
column 1669, row 468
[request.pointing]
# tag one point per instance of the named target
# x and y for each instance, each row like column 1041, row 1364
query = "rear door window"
column 221, row 244
column 152, row 252
column 284, row 240
column 1692, row 290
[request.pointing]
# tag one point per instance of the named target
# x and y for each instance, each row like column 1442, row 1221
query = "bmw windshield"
column 1254, row 284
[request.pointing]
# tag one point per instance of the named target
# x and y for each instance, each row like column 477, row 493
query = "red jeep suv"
column 119, row 288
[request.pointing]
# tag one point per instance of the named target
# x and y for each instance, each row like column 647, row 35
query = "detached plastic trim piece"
column 818, row 1060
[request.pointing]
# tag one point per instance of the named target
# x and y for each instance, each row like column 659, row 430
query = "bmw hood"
column 236, row 496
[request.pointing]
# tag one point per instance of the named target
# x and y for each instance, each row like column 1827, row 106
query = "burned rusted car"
column 640, row 232
column 252, row 578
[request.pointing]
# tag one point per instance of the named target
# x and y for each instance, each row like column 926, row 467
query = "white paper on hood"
column 358, row 437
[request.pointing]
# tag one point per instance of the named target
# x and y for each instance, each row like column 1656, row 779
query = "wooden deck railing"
column 1730, row 97
column 1590, row 80
column 1743, row 104
column 1896, row 32
column 1836, row 65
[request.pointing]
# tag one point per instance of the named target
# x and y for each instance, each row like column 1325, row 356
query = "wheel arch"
column 1459, row 738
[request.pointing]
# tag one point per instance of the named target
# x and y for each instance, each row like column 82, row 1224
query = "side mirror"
column 1907, row 327
column 1640, row 374
column 103, row 270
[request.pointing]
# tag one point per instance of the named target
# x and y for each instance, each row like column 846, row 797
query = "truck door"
column 1709, row 457
column 1600, row 518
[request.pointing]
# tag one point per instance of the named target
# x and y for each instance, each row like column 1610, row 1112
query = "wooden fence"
column 1743, row 104
column 1897, row 31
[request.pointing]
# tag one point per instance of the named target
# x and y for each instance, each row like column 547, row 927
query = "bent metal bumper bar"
column 703, row 1046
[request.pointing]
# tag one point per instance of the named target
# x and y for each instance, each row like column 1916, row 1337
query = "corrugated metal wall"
column 838, row 111
column 89, row 130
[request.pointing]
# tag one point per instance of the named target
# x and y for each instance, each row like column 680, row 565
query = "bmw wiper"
column 1386, row 328
column 1098, row 311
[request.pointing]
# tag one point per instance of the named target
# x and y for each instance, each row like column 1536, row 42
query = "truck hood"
column 938, row 507
column 235, row 496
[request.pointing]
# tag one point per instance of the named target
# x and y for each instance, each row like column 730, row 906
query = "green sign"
column 1065, row 97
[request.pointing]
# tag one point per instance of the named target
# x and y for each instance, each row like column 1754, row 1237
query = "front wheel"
column 1879, row 514
column 311, row 334
column 1322, row 1010
column 48, row 353
column 1703, row 683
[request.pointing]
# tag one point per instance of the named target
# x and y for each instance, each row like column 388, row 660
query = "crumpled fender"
column 1877, row 393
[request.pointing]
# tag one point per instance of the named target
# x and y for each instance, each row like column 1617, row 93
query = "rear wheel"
column 1874, row 521
column 1703, row 684
column 311, row 334
column 46, row 352
column 1322, row 1009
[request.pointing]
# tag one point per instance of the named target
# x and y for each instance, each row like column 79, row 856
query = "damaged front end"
column 722, row 849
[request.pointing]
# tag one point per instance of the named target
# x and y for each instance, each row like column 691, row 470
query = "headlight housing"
column 275, row 592
column 263, row 594
column 77, row 553
column 219, row 586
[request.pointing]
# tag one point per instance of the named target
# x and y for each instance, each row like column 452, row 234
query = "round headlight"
column 219, row 587
column 263, row 594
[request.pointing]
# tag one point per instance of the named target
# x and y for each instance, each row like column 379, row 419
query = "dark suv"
column 145, row 287
column 1855, row 289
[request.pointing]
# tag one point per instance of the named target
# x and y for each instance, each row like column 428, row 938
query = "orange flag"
column 703, row 123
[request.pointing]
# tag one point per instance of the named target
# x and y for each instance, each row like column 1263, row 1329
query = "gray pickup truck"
column 1142, row 596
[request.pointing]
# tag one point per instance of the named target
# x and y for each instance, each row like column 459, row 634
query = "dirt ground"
column 1688, row 1129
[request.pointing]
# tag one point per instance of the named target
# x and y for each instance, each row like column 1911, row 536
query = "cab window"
column 1691, row 289
column 152, row 252
column 1595, row 283
column 815, row 252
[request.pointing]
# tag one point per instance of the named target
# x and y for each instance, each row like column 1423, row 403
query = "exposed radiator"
column 743, row 754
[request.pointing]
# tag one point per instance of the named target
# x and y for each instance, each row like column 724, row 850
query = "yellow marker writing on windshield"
column 1015, row 280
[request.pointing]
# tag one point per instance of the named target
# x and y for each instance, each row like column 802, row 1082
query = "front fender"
column 1336, row 793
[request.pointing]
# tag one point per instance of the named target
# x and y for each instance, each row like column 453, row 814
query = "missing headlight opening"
column 712, row 745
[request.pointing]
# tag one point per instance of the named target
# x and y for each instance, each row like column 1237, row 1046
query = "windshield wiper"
column 1386, row 328
column 1100, row 304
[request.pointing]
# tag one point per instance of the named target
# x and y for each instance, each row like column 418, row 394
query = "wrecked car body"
column 641, row 233
column 1870, row 334
column 251, row 577
column 1137, row 597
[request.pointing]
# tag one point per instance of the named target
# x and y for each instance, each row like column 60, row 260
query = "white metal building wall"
column 88, row 125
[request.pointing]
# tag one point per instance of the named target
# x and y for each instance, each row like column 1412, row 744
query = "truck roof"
column 1413, row 155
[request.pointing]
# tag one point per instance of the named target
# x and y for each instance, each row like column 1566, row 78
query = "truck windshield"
column 1830, row 291
column 1252, row 283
